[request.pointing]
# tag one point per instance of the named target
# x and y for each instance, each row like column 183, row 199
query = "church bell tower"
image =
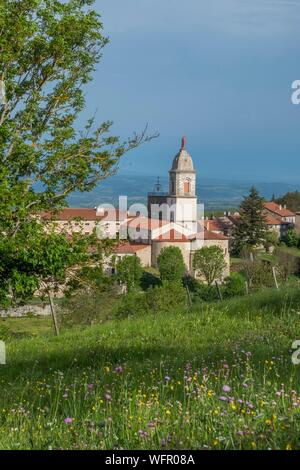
column 182, row 190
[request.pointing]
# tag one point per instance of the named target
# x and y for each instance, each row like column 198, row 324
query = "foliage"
column 234, row 285
column 291, row 200
column 251, row 228
column 66, row 392
column 206, row 292
column 171, row 295
column 134, row 303
column 271, row 240
column 49, row 51
column 170, row 264
column 291, row 238
column 129, row 271
column 286, row 264
column 91, row 298
column 210, row 263
column 257, row 271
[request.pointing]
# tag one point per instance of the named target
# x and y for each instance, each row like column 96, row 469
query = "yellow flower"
column 168, row 412
column 210, row 393
column 288, row 447
column 107, row 369
column 268, row 422
column 215, row 442
column 253, row 444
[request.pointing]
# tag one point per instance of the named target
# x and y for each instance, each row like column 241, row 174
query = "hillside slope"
column 219, row 376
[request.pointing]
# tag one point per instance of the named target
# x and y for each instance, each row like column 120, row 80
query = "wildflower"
column 68, row 420
column 90, row 386
column 288, row 447
column 222, row 398
column 119, row 370
column 107, row 397
column 167, row 378
column 226, row 388
column 245, row 385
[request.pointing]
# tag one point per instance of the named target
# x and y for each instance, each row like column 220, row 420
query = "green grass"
column 155, row 382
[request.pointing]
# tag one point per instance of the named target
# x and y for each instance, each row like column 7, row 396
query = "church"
column 171, row 218
column 174, row 219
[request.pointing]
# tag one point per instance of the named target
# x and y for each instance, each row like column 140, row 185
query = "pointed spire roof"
column 183, row 161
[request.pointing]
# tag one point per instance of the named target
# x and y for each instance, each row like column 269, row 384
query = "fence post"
column 219, row 290
column 275, row 278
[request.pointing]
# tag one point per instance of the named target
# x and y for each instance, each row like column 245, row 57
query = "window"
column 186, row 186
column 160, row 215
column 172, row 216
column 173, row 187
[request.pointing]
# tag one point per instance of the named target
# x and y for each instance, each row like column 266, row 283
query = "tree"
column 291, row 200
column 251, row 228
column 129, row 271
column 49, row 50
column 291, row 238
column 271, row 240
column 171, row 264
column 210, row 263
column 43, row 263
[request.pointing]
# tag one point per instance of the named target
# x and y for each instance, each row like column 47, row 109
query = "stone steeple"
column 182, row 176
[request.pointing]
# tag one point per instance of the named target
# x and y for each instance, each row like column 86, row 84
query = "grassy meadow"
column 217, row 376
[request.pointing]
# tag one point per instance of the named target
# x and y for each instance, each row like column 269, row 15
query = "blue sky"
column 217, row 71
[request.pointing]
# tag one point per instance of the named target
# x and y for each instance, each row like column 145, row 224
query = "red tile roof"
column 273, row 221
column 277, row 209
column 87, row 214
column 130, row 248
column 208, row 235
column 213, row 225
column 145, row 223
column 172, row 236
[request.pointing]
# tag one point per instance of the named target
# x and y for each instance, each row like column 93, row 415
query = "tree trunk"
column 53, row 313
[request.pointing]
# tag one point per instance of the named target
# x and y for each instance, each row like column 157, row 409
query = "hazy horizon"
column 217, row 71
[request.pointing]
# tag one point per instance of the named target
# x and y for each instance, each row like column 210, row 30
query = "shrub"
column 129, row 271
column 132, row 304
column 169, row 296
column 234, row 285
column 170, row 264
column 292, row 238
column 87, row 307
column 206, row 292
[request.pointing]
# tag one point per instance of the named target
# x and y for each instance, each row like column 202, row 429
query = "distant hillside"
column 214, row 193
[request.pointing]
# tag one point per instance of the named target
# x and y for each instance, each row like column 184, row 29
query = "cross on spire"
column 183, row 143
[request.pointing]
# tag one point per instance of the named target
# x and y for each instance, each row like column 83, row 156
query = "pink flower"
column 226, row 389
column 68, row 420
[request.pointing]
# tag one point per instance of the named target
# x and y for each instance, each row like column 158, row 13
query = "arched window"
column 160, row 215
column 186, row 187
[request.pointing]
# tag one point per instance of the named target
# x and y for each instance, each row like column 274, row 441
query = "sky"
column 217, row 71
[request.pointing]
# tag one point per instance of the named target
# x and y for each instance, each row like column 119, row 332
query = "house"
column 172, row 221
column 280, row 212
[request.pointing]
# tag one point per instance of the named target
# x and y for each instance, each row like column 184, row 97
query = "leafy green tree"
column 49, row 50
column 291, row 238
column 42, row 262
column 210, row 263
column 171, row 264
column 170, row 296
column 251, row 228
column 291, row 200
column 271, row 240
column 129, row 271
